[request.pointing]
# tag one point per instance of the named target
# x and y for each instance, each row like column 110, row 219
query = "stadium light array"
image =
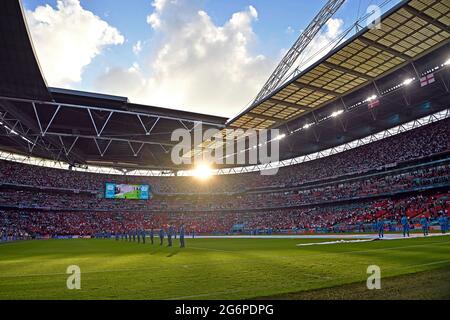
column 281, row 136
column 371, row 98
column 407, row 82
column 11, row 131
column 337, row 113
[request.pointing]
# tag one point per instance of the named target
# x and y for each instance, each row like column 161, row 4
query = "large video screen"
column 127, row 191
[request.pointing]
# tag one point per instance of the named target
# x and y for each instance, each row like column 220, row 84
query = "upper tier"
column 422, row 142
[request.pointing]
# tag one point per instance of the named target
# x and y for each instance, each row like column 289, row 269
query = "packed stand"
column 329, row 218
column 422, row 142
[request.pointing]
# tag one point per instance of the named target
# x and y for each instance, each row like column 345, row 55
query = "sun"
column 203, row 171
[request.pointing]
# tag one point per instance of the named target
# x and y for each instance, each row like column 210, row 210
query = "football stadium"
column 353, row 202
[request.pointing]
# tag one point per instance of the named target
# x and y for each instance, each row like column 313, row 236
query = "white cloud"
column 67, row 38
column 290, row 30
column 198, row 65
column 137, row 48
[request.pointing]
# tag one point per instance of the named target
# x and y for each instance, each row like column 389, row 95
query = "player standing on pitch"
column 380, row 226
column 161, row 236
column 152, row 235
column 405, row 225
column 169, row 236
column 182, row 244
column 443, row 221
column 424, row 223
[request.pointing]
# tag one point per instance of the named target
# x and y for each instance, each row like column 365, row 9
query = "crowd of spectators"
column 356, row 188
column 422, row 142
column 331, row 218
column 43, row 201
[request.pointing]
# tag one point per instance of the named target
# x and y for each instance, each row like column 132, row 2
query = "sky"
column 205, row 56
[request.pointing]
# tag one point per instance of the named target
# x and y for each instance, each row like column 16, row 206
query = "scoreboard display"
column 127, row 191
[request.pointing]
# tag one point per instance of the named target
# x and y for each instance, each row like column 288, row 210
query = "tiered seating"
column 342, row 191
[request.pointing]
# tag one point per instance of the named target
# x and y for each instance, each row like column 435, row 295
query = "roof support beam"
column 37, row 118
column 102, row 153
column 99, row 133
column 31, row 147
column 289, row 104
column 129, row 112
column 41, row 128
column 106, row 122
column 3, row 115
column 13, row 128
column 56, row 134
column 165, row 150
column 51, row 120
column 148, row 132
column 346, row 70
column 68, row 151
column 427, row 18
column 261, row 116
column 29, row 136
column 136, row 152
column 196, row 124
column 379, row 46
column 311, row 87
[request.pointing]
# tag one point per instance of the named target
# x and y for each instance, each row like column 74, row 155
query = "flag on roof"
column 373, row 104
column 426, row 80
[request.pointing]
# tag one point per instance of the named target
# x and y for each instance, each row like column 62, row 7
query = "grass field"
column 136, row 194
column 225, row 269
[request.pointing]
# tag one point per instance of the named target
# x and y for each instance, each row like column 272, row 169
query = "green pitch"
column 136, row 194
column 224, row 269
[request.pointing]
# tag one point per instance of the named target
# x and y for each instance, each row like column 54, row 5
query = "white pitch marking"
column 333, row 242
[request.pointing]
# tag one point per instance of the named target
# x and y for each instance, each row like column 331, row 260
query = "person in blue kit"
column 424, row 223
column 169, row 236
column 134, row 236
column 152, row 236
column 143, row 235
column 443, row 222
column 380, row 227
column 181, row 232
column 405, row 225
column 161, row 236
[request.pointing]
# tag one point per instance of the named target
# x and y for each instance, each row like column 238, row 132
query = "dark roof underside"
column 20, row 75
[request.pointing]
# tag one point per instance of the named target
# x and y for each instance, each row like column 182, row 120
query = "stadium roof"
column 20, row 75
column 409, row 31
column 89, row 128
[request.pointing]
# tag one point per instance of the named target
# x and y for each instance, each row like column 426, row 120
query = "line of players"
column 171, row 232
column 141, row 236
column 443, row 222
